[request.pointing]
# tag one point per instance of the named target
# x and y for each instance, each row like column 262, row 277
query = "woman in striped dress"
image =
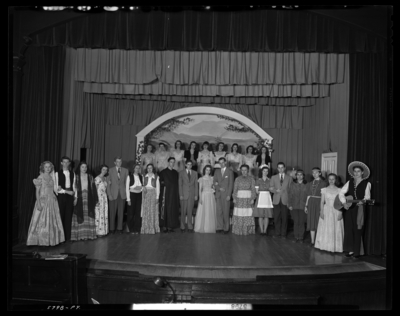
column 244, row 193
column 86, row 198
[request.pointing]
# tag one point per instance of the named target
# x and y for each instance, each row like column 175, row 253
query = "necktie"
column 223, row 170
column 281, row 179
column 189, row 174
column 119, row 171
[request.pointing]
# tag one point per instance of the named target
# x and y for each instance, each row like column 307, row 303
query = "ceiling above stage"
column 374, row 19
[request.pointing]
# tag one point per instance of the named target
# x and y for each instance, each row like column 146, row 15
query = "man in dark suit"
column 223, row 183
column 188, row 193
column 116, row 191
column 279, row 185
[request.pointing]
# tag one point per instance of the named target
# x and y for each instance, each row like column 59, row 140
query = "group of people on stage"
column 204, row 157
column 160, row 194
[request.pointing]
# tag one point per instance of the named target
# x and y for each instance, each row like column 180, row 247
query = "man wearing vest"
column 65, row 186
column 359, row 189
column 116, row 191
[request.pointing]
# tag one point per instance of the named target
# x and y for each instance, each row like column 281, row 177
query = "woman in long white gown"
column 330, row 232
column 206, row 215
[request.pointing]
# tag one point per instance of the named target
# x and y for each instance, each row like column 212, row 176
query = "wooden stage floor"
column 195, row 255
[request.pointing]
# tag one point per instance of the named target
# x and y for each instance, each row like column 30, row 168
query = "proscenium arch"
column 203, row 110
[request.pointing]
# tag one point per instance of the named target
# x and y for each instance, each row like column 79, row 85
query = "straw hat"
column 359, row 164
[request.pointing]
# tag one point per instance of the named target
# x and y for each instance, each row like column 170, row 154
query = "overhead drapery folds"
column 210, row 74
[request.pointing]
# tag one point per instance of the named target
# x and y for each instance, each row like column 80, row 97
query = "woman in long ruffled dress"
column 330, row 232
column 244, row 193
column 46, row 228
column 206, row 214
column 101, row 209
column 83, row 220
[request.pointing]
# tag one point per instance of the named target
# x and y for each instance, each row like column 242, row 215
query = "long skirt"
column 242, row 220
column 46, row 228
column 87, row 229
column 150, row 223
column 313, row 210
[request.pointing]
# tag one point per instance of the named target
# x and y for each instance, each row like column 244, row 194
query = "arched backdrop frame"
column 202, row 110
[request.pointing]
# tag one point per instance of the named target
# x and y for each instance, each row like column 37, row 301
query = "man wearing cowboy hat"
column 359, row 189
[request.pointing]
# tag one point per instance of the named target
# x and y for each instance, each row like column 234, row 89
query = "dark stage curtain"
column 256, row 31
column 368, row 139
column 41, row 123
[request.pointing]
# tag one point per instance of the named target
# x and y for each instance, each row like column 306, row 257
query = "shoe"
column 171, row 231
column 357, row 256
column 132, row 233
column 113, row 231
column 311, row 245
column 226, row 232
column 190, row 230
column 348, row 255
column 120, row 232
column 182, row 230
column 301, row 241
column 294, row 240
column 276, row 236
column 262, row 234
column 165, row 231
column 219, row 231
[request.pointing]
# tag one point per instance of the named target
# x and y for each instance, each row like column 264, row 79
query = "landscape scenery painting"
column 204, row 127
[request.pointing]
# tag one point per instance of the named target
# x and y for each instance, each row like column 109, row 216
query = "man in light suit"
column 279, row 185
column 188, row 193
column 223, row 183
column 116, row 191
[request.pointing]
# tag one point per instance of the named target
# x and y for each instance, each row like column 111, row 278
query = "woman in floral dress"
column 46, row 228
column 244, row 193
column 150, row 196
column 101, row 209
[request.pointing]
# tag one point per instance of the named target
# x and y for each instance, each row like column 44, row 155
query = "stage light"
column 161, row 282
column 111, row 8
column 208, row 7
column 274, row 6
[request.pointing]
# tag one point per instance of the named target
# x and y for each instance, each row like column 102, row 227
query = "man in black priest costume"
column 353, row 215
column 169, row 198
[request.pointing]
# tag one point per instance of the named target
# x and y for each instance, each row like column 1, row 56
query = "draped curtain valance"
column 208, row 68
column 218, row 100
column 257, row 31
column 159, row 88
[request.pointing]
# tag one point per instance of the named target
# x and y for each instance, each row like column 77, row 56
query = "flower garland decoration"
column 139, row 152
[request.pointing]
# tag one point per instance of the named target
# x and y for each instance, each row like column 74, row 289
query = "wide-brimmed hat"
column 353, row 164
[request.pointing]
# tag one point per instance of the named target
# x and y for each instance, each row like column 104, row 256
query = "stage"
column 207, row 256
